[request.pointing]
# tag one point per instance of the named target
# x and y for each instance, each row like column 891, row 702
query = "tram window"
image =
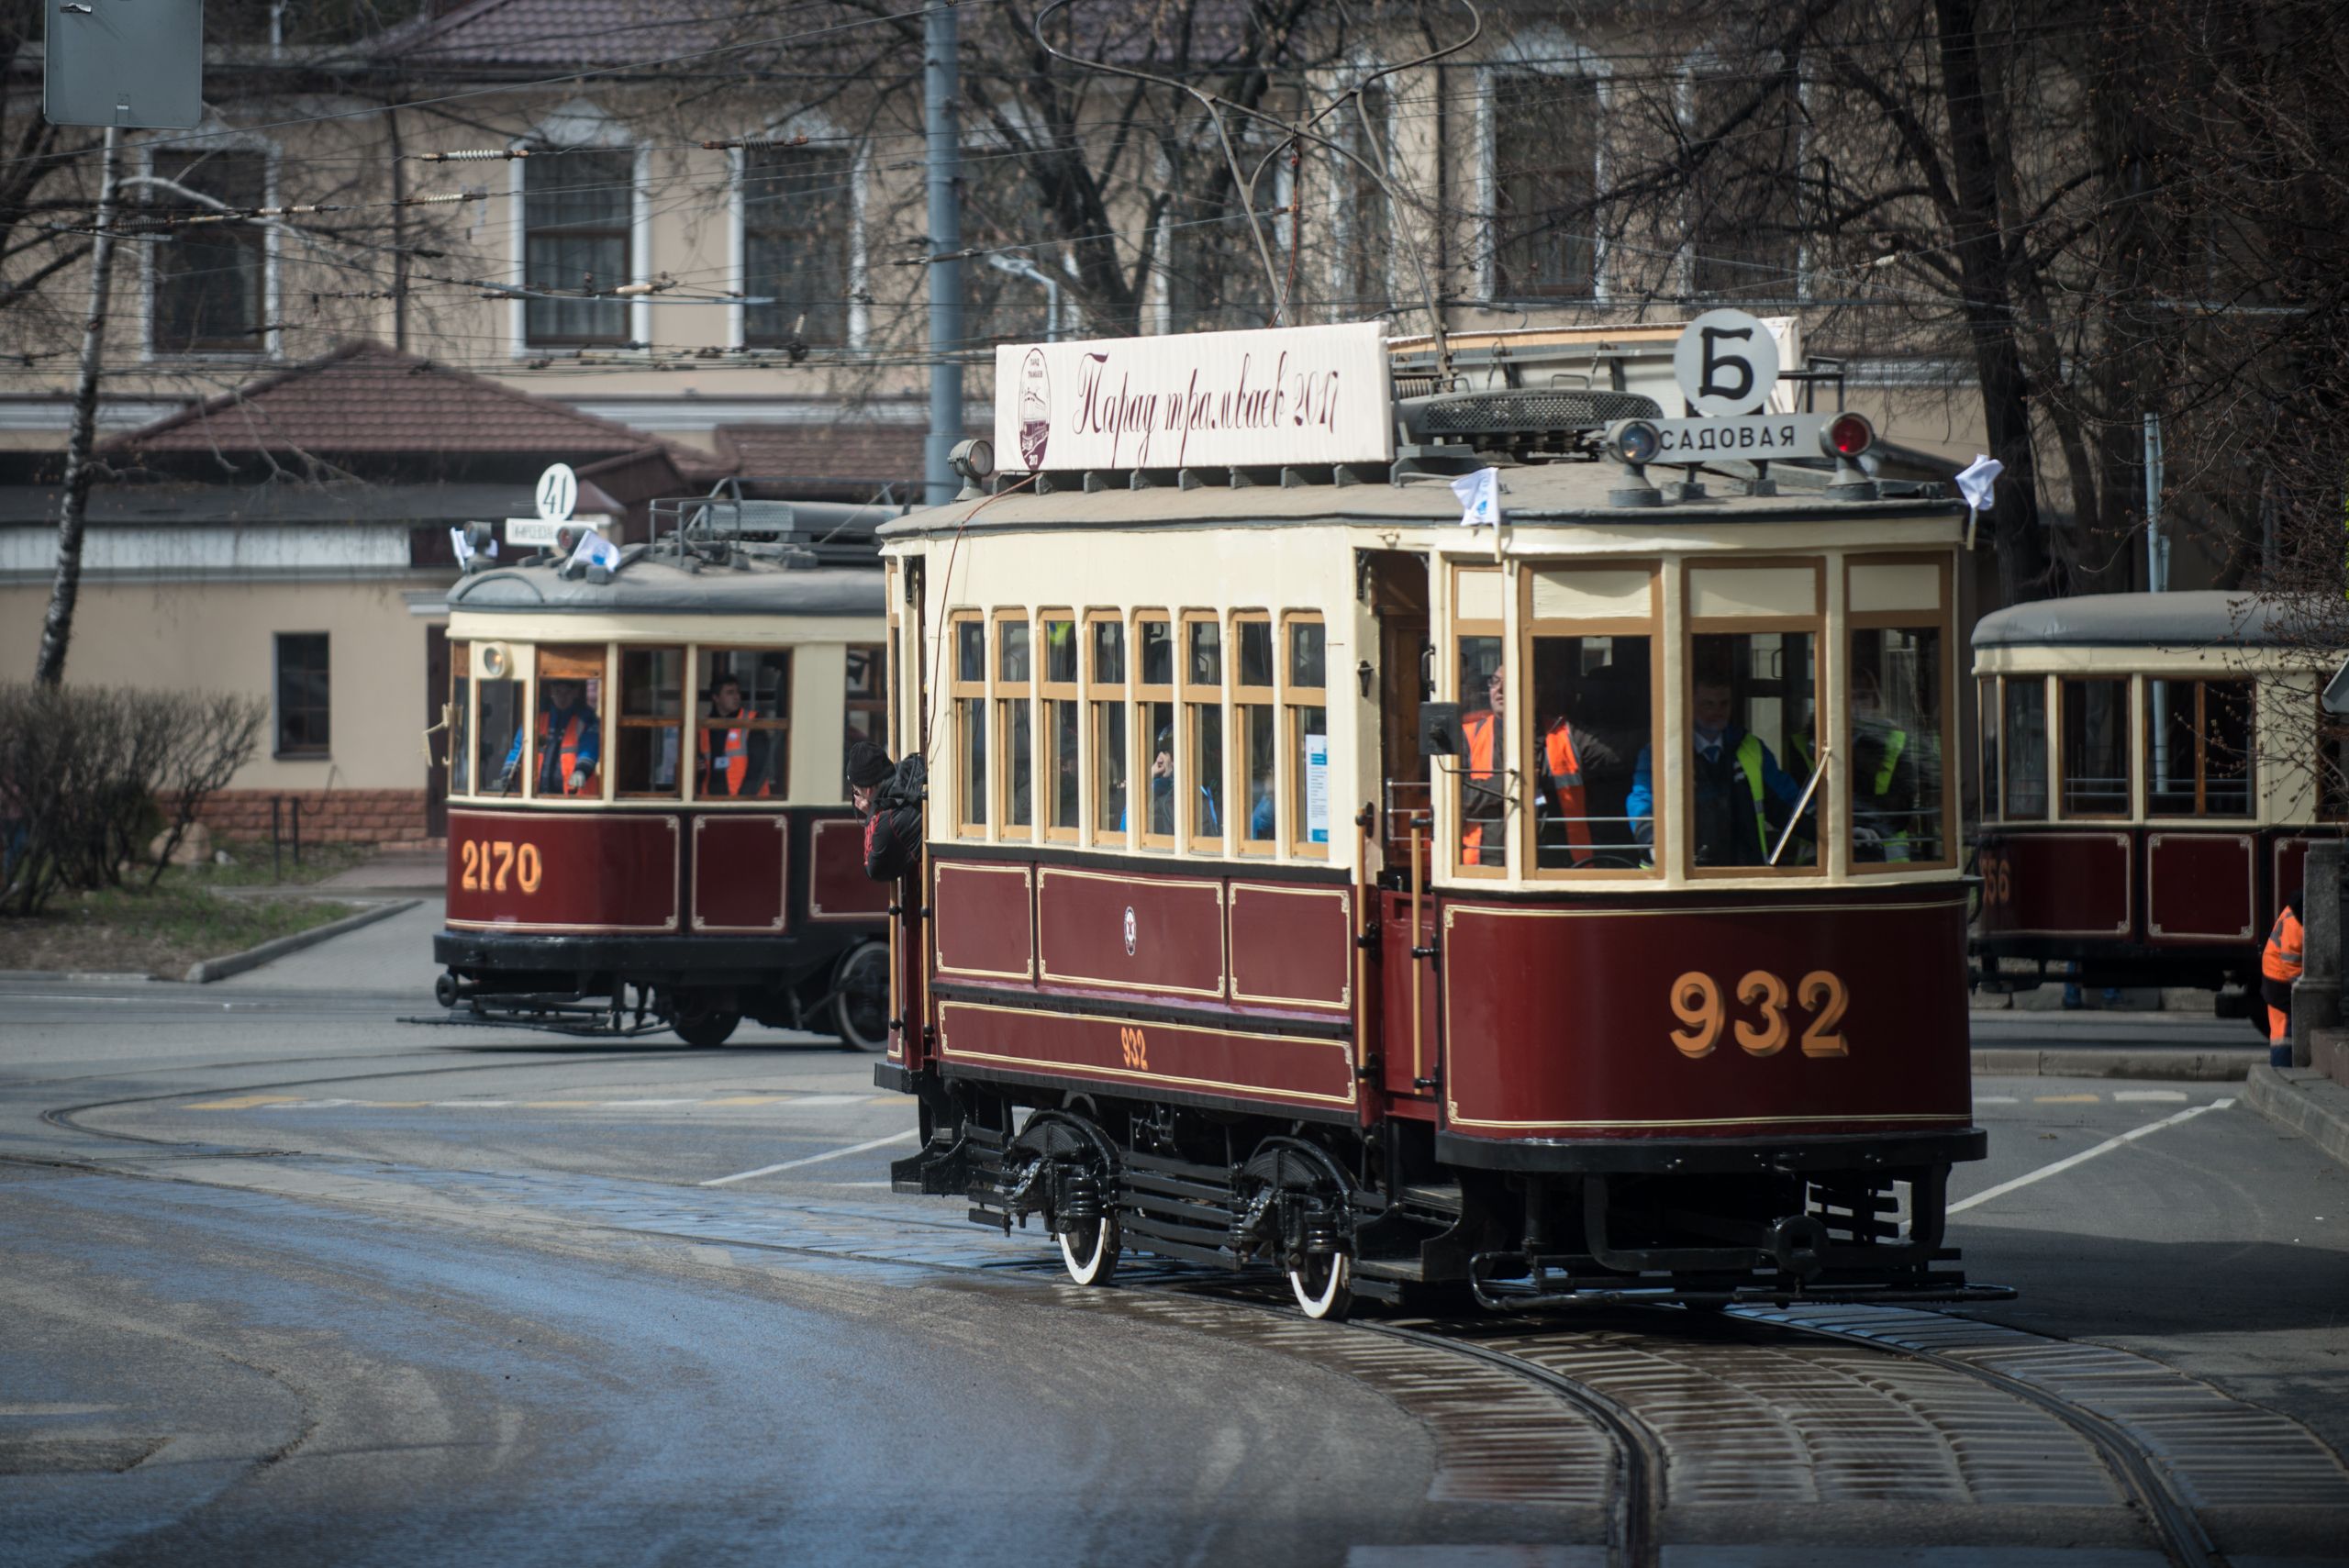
column 1592, row 716
column 1752, row 750
column 2096, row 748
column 1063, row 789
column 1305, row 698
column 568, row 749
column 1111, row 760
column 2198, row 748
column 1154, row 723
column 1014, row 723
column 2024, row 785
column 742, row 745
column 1897, row 767
column 1483, row 788
column 499, row 730
column 460, row 695
column 970, row 694
column 1251, row 710
column 865, row 697
column 651, row 721
column 1203, row 714
column 1986, row 708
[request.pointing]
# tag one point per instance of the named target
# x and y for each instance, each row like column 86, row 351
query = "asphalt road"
column 350, row 1291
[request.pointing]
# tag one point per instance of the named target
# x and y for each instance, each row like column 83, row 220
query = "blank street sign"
column 135, row 63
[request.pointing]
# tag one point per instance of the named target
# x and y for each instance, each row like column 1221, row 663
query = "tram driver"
column 571, row 743
column 1743, row 798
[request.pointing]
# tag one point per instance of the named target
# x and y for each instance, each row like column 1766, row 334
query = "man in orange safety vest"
column 1482, row 795
column 727, row 763
column 2279, row 965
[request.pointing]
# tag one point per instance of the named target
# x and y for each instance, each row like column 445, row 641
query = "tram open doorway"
column 1396, row 584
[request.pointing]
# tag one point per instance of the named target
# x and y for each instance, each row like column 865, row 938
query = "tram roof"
column 1564, row 492
column 654, row 586
column 2193, row 618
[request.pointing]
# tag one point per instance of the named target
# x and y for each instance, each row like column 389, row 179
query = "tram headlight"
column 1634, row 441
column 972, row 460
column 1846, row 436
column 495, row 662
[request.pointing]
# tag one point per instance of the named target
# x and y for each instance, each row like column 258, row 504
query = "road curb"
column 209, row 970
column 2304, row 1100
column 78, row 977
column 2200, row 1066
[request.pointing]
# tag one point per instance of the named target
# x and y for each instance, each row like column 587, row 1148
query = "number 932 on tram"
column 1377, row 832
column 647, row 823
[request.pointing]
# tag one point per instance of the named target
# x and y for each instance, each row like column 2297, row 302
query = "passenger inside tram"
column 1743, row 798
column 1484, row 786
column 1590, row 699
column 733, row 756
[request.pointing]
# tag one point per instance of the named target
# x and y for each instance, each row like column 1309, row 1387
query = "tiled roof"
column 852, row 454
column 568, row 33
column 364, row 398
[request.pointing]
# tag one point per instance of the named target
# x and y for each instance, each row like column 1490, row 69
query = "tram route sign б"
column 1290, row 395
column 134, row 64
column 1726, row 363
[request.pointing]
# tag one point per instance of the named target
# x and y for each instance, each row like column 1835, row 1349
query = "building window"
column 210, row 292
column 1013, row 677
column 578, row 211
column 796, row 218
column 1545, row 185
column 1106, row 689
column 2198, row 748
column 1063, row 789
column 1203, row 785
column 304, row 694
column 1369, row 226
column 1745, row 136
column 1251, row 709
column 1003, row 217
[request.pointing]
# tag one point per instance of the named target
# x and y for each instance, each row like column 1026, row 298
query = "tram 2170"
column 1568, row 908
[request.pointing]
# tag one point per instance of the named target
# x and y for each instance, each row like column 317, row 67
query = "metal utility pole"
column 940, row 43
column 57, row 627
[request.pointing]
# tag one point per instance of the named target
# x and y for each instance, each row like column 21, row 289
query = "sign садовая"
column 1289, row 396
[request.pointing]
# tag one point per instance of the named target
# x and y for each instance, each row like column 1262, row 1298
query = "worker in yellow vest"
column 2279, row 965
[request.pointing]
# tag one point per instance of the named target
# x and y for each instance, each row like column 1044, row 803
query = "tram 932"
column 1563, row 909
column 648, row 827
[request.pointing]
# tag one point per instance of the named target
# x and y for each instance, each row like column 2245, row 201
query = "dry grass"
column 159, row 933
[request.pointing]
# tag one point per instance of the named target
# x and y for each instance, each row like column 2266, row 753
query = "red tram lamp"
column 1635, row 443
column 1845, row 438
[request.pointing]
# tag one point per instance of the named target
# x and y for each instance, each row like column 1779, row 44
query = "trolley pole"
column 941, row 44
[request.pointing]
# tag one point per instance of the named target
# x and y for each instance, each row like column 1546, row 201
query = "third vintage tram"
column 648, row 827
column 1567, row 908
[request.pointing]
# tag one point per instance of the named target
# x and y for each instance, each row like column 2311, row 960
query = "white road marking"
column 634, row 1104
column 814, row 1159
column 2106, row 1147
column 1996, row 1100
column 805, row 1100
column 2177, row 1096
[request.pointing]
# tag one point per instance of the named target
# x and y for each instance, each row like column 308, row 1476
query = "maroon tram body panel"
column 2202, row 888
column 983, row 920
column 1292, row 947
column 1152, row 934
column 1728, row 1018
column 742, row 882
column 552, row 871
column 2068, row 883
column 837, row 888
column 1227, row 1063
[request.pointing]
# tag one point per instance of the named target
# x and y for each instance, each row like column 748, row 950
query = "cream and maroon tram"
column 648, row 826
column 2152, row 777
column 1314, row 880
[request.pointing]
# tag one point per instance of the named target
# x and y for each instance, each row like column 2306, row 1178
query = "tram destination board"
column 1762, row 438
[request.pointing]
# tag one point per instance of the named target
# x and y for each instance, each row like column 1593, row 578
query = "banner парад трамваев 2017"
column 1289, row 396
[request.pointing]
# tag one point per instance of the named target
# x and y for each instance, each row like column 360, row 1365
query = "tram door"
column 1398, row 589
column 909, row 989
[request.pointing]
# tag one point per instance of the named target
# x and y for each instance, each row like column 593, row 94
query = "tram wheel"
column 1090, row 1252
column 860, row 1009
column 699, row 1025
column 1323, row 1284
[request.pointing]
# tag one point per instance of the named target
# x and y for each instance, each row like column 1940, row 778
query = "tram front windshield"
column 1753, row 749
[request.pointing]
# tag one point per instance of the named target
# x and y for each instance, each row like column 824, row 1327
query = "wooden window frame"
column 2049, row 740
column 1189, row 697
column 1235, row 739
column 1292, row 733
column 1008, row 695
column 1047, row 692
column 1651, row 627
column 621, row 720
column 530, row 781
column 2202, row 812
column 1815, row 624
column 695, row 723
column 1100, row 695
column 2058, row 755
column 1944, row 619
column 524, row 662
column 1140, row 785
column 960, row 690
column 1460, row 628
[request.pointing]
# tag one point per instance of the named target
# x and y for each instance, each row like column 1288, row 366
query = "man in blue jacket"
column 1740, row 788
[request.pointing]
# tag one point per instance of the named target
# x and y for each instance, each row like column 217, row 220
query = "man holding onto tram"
column 1743, row 797
column 571, row 743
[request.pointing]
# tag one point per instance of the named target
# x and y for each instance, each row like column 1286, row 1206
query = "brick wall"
column 335, row 816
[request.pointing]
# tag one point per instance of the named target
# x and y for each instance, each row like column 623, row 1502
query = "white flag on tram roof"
column 1480, row 497
column 1974, row 482
column 595, row 550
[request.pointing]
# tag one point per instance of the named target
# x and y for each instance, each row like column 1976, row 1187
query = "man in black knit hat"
column 888, row 795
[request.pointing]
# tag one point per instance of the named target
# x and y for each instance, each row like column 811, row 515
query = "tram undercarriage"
column 1344, row 1212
